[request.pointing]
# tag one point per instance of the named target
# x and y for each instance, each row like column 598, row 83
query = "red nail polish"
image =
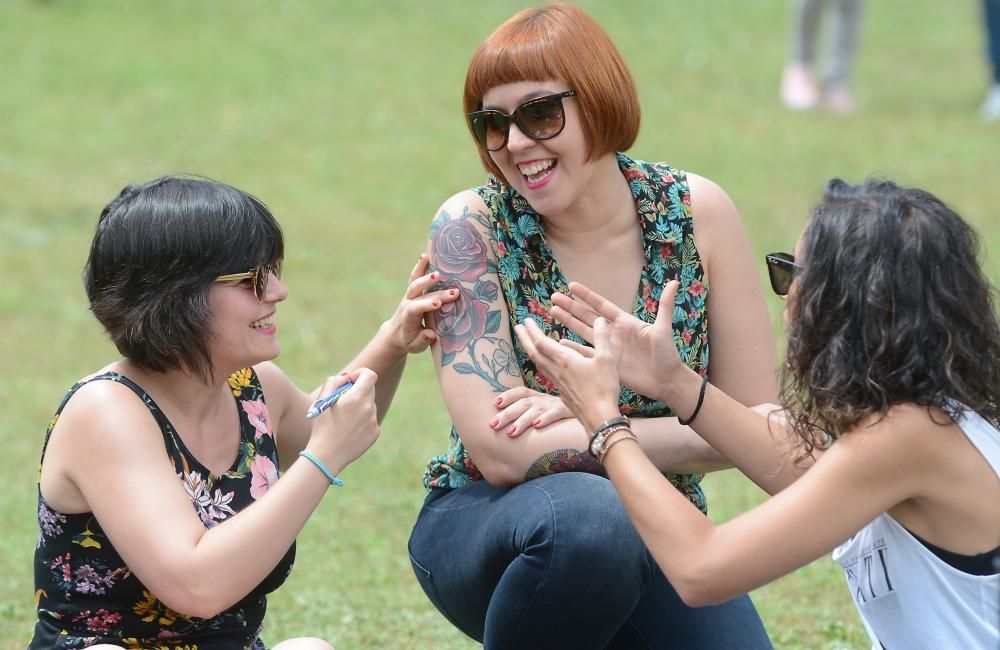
column 451, row 292
column 512, row 429
column 536, row 423
column 435, row 303
column 497, row 401
column 494, row 422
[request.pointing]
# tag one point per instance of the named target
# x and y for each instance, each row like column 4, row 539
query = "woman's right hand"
column 649, row 358
column 346, row 430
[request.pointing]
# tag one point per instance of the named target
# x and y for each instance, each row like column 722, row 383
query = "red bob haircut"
column 560, row 42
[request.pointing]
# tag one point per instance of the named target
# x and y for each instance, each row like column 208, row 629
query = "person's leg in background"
column 843, row 48
column 799, row 89
column 990, row 109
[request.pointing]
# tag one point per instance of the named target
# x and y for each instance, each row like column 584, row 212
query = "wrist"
column 330, row 459
column 329, row 474
column 598, row 415
column 390, row 340
column 680, row 387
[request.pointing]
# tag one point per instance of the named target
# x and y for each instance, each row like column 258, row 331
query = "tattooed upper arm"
column 468, row 328
column 475, row 357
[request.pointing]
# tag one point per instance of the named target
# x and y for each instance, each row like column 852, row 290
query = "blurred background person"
column 990, row 109
column 801, row 89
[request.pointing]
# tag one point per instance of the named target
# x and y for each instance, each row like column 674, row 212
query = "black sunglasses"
column 540, row 118
column 782, row 269
column 258, row 276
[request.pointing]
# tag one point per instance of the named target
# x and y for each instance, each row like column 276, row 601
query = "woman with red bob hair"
column 522, row 541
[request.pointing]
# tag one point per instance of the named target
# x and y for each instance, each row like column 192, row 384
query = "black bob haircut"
column 892, row 307
column 158, row 248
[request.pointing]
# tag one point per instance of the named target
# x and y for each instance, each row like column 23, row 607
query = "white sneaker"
column 990, row 110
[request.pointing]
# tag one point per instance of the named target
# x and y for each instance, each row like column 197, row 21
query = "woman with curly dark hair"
column 894, row 355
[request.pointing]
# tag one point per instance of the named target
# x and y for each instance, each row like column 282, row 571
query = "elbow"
column 499, row 473
column 501, row 476
column 698, row 592
column 697, row 583
column 693, row 595
column 195, row 600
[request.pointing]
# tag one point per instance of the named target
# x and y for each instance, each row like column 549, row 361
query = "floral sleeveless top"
column 86, row 594
column 529, row 275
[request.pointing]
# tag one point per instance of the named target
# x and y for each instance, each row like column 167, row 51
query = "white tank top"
column 910, row 598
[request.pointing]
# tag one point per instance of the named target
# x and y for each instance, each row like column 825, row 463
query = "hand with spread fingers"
column 588, row 385
column 648, row 357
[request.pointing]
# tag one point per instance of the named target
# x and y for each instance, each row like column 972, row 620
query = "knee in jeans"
column 591, row 520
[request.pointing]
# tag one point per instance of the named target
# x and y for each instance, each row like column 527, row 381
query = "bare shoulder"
column 273, row 380
column 904, row 424
column 104, row 425
column 104, row 410
column 465, row 212
column 908, row 437
column 466, row 200
column 711, row 205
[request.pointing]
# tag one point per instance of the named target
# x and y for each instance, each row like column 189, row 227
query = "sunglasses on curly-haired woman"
column 782, row 269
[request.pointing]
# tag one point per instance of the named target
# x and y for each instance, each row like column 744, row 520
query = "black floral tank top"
column 528, row 274
column 85, row 593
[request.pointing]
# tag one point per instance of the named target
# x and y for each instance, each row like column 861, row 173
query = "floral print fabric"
column 528, row 275
column 86, row 594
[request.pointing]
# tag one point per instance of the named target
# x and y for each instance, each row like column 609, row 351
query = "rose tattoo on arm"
column 462, row 257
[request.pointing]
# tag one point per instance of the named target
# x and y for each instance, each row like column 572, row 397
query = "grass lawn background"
column 345, row 118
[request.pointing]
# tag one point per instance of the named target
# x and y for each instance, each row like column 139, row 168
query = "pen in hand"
column 324, row 403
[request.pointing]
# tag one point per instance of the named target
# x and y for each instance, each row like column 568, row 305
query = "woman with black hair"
column 891, row 400
column 163, row 521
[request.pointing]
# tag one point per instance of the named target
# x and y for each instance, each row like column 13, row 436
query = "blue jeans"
column 556, row 563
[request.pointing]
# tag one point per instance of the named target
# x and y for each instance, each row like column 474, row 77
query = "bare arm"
column 850, row 485
column 475, row 360
column 743, row 361
column 120, row 470
column 865, row 474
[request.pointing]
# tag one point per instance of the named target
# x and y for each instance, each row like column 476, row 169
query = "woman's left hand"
column 408, row 327
column 522, row 408
column 589, row 385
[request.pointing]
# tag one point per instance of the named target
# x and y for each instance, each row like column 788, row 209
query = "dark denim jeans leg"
column 552, row 563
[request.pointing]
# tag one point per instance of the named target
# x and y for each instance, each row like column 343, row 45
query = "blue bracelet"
column 339, row 482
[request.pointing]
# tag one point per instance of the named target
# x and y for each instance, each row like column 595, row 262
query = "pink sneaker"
column 839, row 101
column 799, row 90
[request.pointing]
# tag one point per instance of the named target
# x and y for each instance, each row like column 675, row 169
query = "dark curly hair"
column 892, row 307
column 158, row 248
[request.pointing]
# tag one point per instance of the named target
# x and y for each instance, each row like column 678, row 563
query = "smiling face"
column 244, row 330
column 551, row 174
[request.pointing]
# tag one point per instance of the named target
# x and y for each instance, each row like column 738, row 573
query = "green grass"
column 345, row 118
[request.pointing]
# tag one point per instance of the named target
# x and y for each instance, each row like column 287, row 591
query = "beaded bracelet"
column 697, row 407
column 615, row 421
column 598, row 444
column 621, row 434
column 334, row 480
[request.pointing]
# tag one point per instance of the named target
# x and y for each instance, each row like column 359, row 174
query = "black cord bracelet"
column 697, row 407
